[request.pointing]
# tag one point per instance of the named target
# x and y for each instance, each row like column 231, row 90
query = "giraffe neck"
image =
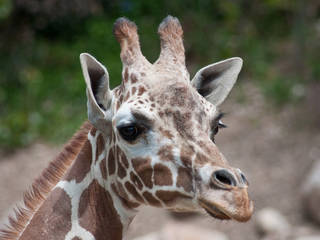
column 85, row 203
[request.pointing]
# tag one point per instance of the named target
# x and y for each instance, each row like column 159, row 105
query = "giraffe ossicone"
column 150, row 141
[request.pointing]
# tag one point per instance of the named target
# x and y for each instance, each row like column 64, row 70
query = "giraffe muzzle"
column 226, row 195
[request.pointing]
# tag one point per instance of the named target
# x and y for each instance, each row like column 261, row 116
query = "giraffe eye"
column 215, row 129
column 130, row 132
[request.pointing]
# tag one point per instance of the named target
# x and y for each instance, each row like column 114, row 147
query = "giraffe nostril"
column 223, row 177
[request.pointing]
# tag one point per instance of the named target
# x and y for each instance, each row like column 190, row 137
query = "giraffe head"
column 161, row 127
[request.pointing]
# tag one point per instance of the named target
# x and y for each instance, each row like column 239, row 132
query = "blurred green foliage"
column 42, row 93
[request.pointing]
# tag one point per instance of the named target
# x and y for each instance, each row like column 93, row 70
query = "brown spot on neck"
column 100, row 145
column 82, row 164
column 103, row 169
column 52, row 220
column 111, row 162
column 97, row 213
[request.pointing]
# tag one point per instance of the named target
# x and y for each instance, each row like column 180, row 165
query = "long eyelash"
column 217, row 121
column 221, row 124
column 220, row 116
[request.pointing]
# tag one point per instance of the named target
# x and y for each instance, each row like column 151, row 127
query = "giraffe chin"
column 218, row 214
column 214, row 211
column 221, row 213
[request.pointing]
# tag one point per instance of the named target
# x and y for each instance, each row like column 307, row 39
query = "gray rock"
column 311, row 193
column 271, row 222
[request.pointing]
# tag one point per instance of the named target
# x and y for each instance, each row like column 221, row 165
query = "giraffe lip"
column 214, row 210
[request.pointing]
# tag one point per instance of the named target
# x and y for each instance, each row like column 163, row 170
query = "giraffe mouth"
column 214, row 210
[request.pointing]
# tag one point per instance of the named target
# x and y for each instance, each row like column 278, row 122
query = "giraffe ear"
column 214, row 82
column 98, row 91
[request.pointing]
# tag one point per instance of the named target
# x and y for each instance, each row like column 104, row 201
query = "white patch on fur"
column 206, row 173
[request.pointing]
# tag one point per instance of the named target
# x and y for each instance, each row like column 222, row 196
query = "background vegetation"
column 42, row 93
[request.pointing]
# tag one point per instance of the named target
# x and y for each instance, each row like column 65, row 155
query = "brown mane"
column 42, row 186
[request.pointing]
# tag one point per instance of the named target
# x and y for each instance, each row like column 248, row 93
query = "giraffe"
column 149, row 141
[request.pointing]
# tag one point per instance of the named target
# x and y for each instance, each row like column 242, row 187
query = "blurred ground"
column 275, row 148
